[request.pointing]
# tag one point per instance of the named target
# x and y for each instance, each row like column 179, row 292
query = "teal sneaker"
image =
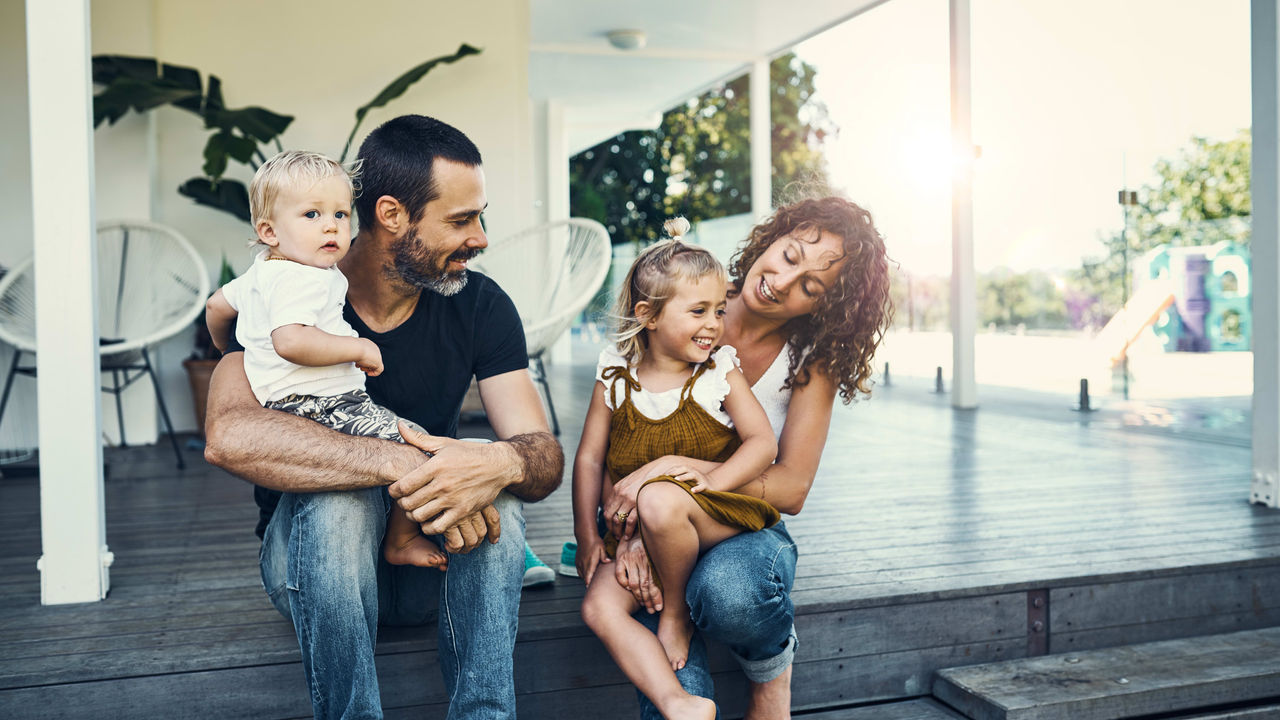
column 569, row 559
column 536, row 572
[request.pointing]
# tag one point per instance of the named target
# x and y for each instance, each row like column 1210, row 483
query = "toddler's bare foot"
column 417, row 550
column 691, row 706
column 675, row 630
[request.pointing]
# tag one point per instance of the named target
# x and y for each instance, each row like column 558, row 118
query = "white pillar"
column 557, row 170
column 73, row 565
column 557, row 162
column 761, row 141
column 1265, row 29
column 964, row 294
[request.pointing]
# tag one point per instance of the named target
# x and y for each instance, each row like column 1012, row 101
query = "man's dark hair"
column 396, row 160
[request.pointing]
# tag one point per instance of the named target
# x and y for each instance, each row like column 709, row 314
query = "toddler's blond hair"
column 292, row 168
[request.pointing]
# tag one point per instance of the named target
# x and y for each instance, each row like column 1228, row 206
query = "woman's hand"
column 619, row 501
column 589, row 557
column 632, row 573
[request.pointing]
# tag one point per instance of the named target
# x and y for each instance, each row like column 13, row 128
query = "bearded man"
column 324, row 497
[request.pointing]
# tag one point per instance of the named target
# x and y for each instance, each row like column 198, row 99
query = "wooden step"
column 1261, row 712
column 918, row 709
column 1120, row 682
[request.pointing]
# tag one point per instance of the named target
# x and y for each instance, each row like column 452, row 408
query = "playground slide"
column 1142, row 310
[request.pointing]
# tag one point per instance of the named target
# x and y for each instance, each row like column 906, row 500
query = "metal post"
column 761, row 128
column 1128, row 198
column 964, row 293
column 1265, row 194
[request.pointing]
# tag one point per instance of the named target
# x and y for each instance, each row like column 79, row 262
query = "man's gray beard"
column 409, row 269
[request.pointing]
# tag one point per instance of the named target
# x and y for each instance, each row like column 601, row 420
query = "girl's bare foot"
column 417, row 550
column 771, row 700
column 690, row 706
column 675, row 630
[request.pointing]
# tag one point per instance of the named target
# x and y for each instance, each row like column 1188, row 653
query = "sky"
column 1071, row 102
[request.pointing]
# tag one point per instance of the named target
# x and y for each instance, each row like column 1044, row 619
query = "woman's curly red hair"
column 840, row 337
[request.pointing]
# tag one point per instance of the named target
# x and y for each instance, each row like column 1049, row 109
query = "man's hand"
column 457, row 482
column 632, row 573
column 474, row 529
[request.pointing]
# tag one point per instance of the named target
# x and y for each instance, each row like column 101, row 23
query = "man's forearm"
column 543, row 465
column 284, row 452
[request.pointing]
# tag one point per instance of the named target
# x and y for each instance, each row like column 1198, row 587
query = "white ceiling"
column 692, row 44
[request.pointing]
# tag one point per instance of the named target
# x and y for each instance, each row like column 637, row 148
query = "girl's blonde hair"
column 293, row 168
column 653, row 278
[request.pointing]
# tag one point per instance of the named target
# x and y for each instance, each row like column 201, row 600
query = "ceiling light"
column 626, row 39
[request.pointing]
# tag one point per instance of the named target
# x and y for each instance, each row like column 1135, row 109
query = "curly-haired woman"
column 808, row 306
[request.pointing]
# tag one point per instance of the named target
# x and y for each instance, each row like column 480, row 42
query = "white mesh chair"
column 551, row 272
column 151, row 286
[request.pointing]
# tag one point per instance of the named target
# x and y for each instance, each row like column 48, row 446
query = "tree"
column 697, row 163
column 1201, row 198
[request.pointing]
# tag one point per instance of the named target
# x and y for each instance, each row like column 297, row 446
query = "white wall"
column 317, row 61
column 19, row 428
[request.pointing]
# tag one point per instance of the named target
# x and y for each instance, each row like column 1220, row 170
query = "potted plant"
column 204, row 356
column 141, row 84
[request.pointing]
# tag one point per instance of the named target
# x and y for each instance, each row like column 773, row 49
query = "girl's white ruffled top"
column 709, row 391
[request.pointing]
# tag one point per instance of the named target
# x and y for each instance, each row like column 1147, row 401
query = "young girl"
column 301, row 356
column 666, row 390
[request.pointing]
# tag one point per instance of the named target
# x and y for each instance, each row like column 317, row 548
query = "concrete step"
column 1120, row 682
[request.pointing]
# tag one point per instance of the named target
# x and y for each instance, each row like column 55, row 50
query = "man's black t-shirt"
column 430, row 358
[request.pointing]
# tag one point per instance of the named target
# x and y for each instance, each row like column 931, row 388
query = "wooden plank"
column 1164, row 630
column 1263, row 712
column 1168, row 676
column 1090, row 607
column 918, row 709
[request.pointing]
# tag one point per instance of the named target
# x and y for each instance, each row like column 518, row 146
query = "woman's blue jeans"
column 739, row 594
column 322, row 567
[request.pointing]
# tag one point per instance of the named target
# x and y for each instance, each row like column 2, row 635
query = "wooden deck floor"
column 933, row 538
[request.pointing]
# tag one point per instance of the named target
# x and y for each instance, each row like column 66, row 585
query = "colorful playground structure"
column 1196, row 299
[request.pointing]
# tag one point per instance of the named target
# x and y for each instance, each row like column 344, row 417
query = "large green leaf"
column 400, row 85
column 185, row 77
column 222, row 145
column 141, row 84
column 229, row 196
column 108, row 67
column 258, row 123
column 213, row 98
column 125, row 93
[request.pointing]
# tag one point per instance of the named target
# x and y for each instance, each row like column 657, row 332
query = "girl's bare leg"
column 607, row 610
column 405, row 544
column 676, row 531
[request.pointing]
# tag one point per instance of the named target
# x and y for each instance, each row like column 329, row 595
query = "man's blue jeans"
column 322, row 567
column 739, row 594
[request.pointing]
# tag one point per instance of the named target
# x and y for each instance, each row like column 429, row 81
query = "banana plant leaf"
column 400, row 85
column 222, row 145
column 259, row 123
column 227, row 195
column 141, row 84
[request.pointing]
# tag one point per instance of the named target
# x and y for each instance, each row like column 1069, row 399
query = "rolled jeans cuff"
column 766, row 669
